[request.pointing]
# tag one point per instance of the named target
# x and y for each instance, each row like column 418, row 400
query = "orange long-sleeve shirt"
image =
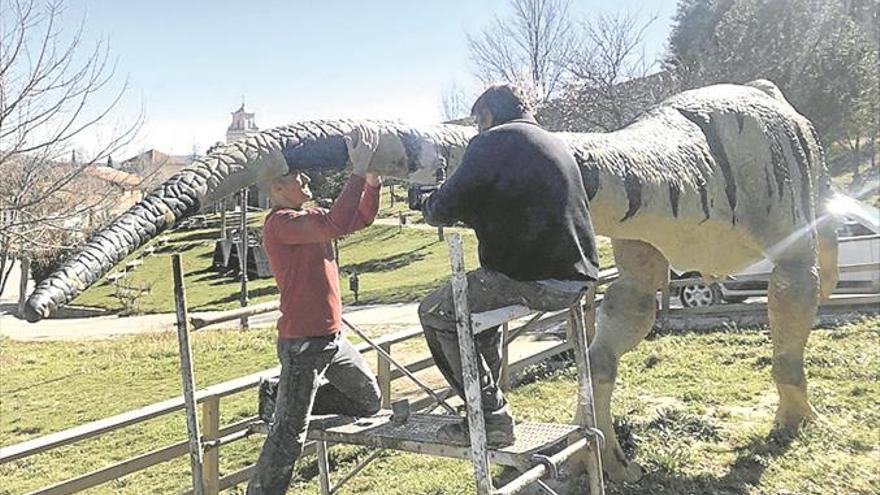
column 297, row 243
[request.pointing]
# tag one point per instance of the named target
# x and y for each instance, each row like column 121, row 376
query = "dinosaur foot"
column 617, row 471
column 794, row 410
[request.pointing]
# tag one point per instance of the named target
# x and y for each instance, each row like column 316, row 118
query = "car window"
column 851, row 228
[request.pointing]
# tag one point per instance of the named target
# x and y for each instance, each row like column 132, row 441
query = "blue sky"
column 190, row 62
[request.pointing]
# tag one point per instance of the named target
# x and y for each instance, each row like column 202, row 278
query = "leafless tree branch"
column 610, row 77
column 528, row 48
column 54, row 91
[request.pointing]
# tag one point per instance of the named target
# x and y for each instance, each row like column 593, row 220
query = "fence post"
column 211, row 459
column 186, row 371
column 384, row 375
column 243, row 255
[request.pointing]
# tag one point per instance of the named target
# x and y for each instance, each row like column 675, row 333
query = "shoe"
column 499, row 431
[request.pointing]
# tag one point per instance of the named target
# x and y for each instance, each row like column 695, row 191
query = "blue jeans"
column 350, row 390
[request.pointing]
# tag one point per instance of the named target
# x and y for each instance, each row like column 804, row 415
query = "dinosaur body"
column 709, row 180
column 714, row 178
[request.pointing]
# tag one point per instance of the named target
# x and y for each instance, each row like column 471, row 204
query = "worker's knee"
column 434, row 313
column 372, row 399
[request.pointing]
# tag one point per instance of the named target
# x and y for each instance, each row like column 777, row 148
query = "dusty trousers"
column 487, row 290
column 319, row 375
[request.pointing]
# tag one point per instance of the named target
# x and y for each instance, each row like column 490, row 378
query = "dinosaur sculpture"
column 710, row 180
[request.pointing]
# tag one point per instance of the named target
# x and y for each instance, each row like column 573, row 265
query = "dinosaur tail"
column 403, row 152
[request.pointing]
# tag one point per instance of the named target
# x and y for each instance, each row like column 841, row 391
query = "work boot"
column 499, row 430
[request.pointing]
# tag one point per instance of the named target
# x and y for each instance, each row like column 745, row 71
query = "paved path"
column 108, row 326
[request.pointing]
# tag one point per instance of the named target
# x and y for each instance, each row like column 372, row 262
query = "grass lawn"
column 695, row 410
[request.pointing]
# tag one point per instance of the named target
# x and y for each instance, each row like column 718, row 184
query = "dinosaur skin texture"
column 710, row 180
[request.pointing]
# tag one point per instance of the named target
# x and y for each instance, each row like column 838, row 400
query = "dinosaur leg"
column 792, row 302
column 625, row 317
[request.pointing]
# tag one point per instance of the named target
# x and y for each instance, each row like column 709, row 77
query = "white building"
column 242, row 125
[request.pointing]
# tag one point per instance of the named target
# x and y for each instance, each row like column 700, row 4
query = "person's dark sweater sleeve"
column 322, row 226
column 460, row 195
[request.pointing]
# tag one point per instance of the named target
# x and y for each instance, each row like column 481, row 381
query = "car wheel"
column 698, row 294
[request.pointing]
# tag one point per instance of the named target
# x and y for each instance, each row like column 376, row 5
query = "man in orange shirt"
column 321, row 372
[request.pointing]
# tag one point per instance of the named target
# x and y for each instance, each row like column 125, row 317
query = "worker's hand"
column 361, row 143
column 373, row 180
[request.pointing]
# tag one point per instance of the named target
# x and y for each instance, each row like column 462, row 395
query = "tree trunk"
column 856, row 181
column 25, row 265
column 5, row 270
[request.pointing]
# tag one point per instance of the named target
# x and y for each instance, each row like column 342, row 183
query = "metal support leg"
column 323, row 467
column 504, row 379
column 470, row 371
column 586, row 408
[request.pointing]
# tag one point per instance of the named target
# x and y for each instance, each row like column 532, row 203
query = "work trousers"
column 487, row 290
column 319, row 375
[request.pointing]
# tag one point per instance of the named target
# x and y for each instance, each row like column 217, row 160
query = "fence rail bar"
column 204, row 320
column 117, row 470
column 100, row 426
column 539, row 357
column 132, row 465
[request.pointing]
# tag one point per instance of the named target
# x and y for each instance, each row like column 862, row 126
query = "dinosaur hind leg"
column 792, row 304
column 625, row 317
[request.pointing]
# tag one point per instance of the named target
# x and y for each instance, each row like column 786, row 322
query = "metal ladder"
column 469, row 324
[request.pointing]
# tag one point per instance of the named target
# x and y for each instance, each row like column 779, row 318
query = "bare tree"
column 610, row 77
column 528, row 48
column 49, row 84
column 454, row 104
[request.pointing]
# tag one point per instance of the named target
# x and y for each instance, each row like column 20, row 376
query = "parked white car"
column 859, row 240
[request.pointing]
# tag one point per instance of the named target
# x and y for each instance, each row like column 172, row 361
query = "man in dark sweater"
column 520, row 189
